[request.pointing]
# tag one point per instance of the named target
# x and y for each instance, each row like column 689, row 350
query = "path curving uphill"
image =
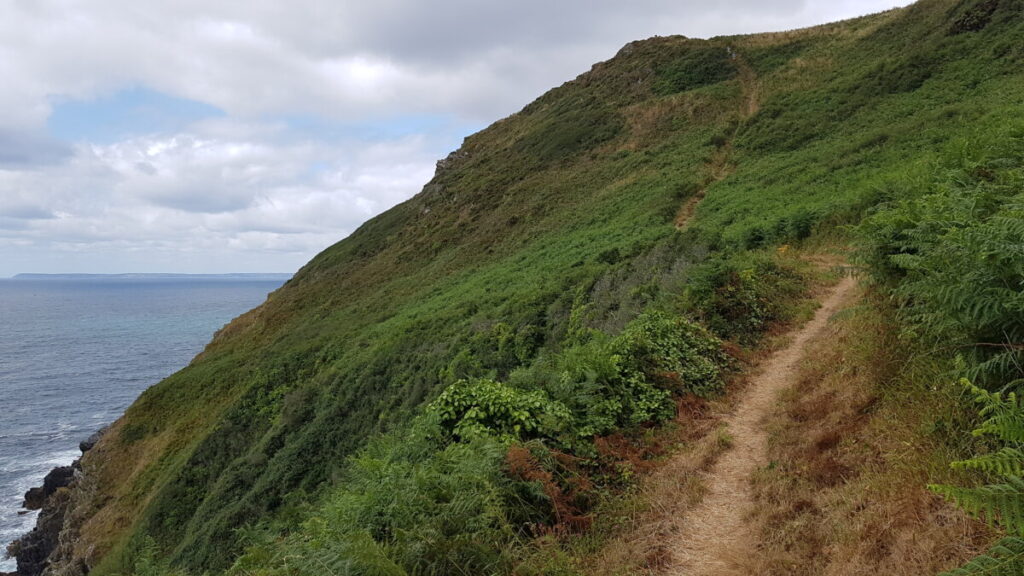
column 715, row 539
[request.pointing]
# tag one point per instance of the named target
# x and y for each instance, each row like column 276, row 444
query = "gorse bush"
column 567, row 130
column 697, row 67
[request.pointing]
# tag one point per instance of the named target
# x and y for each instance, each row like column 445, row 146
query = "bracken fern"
column 999, row 504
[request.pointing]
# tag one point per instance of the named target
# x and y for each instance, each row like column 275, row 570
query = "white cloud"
column 221, row 200
column 253, row 189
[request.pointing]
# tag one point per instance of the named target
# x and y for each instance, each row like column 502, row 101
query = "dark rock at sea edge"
column 88, row 443
column 34, row 498
column 59, row 477
column 33, row 550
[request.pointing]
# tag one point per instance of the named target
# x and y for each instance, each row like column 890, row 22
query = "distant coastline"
column 156, row 276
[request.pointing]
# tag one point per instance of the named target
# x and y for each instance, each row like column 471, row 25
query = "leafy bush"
column 474, row 408
column 615, row 383
column 604, row 396
column 738, row 296
column 672, row 352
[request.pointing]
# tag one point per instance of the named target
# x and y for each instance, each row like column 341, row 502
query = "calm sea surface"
column 75, row 353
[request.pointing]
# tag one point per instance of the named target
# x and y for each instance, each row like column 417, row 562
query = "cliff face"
column 41, row 550
column 564, row 208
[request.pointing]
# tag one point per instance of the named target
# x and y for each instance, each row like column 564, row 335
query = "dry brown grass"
column 850, row 455
column 641, row 542
column 650, row 122
column 664, row 496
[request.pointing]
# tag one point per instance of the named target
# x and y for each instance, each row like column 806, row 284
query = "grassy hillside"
column 538, row 243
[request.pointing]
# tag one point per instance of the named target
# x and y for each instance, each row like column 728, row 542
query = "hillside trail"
column 714, row 538
column 719, row 166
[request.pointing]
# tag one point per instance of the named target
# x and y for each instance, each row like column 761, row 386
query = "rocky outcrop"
column 58, row 478
column 88, row 443
column 34, row 551
column 450, row 161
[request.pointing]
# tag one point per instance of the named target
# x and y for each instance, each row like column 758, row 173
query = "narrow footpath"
column 715, row 538
column 719, row 166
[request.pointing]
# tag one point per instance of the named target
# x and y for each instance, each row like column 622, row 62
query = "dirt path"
column 714, row 538
column 719, row 165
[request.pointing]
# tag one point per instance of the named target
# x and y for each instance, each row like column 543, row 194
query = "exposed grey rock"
column 34, row 498
column 32, row 551
column 36, row 552
column 88, row 443
column 451, row 160
column 59, row 477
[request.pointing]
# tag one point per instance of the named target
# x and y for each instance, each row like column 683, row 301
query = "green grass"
column 551, row 223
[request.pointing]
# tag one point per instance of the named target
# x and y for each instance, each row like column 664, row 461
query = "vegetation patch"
column 949, row 256
column 740, row 295
column 698, row 66
column 570, row 128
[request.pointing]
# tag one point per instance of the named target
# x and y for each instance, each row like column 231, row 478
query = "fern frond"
column 1006, row 462
column 997, row 504
column 1004, row 415
column 1006, row 558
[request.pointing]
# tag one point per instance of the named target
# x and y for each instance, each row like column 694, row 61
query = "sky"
column 247, row 136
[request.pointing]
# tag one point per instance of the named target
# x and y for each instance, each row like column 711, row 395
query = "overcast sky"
column 242, row 136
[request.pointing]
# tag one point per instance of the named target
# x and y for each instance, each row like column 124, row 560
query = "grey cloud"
column 145, row 168
column 202, row 201
column 350, row 59
column 12, row 224
column 22, row 149
column 25, row 212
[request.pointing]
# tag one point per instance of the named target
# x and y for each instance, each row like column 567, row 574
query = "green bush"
column 952, row 260
column 738, row 296
column 406, row 507
column 618, row 383
column 475, row 408
column 569, row 129
column 671, row 352
column 699, row 66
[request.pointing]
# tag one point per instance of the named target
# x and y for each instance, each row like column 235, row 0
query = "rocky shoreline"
column 33, row 550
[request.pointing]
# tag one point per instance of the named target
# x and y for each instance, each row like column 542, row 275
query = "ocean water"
column 75, row 353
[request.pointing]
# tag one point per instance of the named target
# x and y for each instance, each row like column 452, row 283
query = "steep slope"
column 556, row 219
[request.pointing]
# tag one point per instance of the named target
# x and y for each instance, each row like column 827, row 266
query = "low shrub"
column 698, row 66
column 738, row 296
column 475, row 408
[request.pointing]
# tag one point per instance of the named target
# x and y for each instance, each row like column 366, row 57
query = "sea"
column 76, row 351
